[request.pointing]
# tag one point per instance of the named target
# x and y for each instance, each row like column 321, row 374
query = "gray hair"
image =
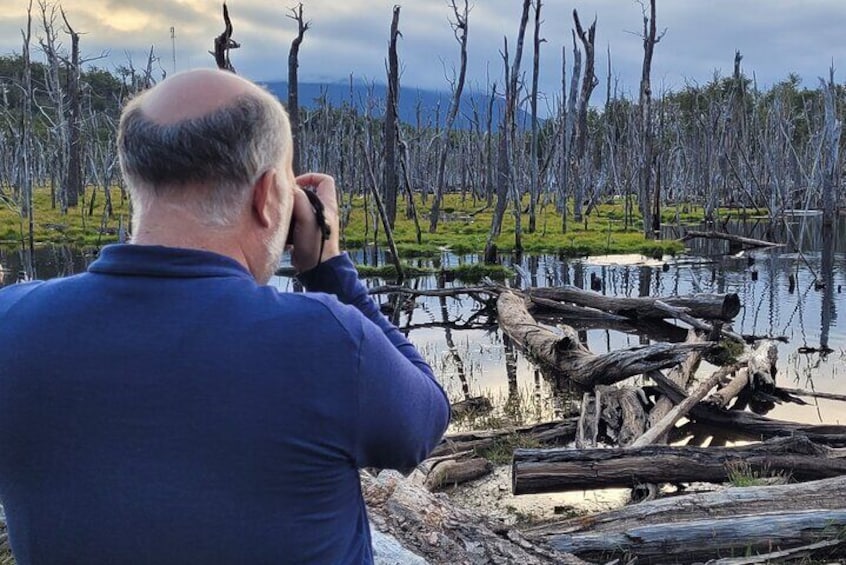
column 226, row 150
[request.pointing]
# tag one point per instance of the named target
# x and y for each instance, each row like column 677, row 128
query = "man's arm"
column 402, row 411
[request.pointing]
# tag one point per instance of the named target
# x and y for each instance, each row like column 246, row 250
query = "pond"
column 795, row 291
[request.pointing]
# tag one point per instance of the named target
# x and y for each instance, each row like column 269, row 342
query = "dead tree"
column 26, row 147
column 589, row 82
column 293, row 100
column 831, row 149
column 73, row 179
column 533, row 183
column 651, row 221
column 390, row 175
column 223, row 43
column 459, row 29
column 505, row 178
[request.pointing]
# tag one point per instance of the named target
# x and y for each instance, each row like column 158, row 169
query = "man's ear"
column 265, row 198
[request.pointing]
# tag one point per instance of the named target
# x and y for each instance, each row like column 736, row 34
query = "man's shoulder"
column 318, row 309
column 11, row 295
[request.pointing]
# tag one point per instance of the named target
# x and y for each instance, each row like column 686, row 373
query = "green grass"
column 741, row 474
column 463, row 230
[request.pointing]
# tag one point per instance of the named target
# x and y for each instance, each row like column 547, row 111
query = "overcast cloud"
column 776, row 37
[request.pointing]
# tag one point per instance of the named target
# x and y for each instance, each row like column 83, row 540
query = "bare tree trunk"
column 589, row 82
column 73, row 182
column 533, row 184
column 645, row 192
column 26, row 134
column 459, row 28
column 390, row 177
column 509, row 126
column 831, row 150
column 293, row 85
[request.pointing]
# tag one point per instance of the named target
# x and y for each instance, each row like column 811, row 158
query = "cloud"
column 776, row 37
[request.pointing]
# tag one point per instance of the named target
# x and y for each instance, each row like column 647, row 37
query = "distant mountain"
column 428, row 106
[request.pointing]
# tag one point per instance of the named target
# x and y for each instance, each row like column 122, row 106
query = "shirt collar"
column 160, row 261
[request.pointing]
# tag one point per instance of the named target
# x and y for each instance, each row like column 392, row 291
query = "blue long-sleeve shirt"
column 164, row 408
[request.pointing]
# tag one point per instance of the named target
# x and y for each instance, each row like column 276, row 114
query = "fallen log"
column 558, row 470
column 748, row 425
column 738, row 240
column 697, row 540
column 437, row 530
column 813, row 394
column 823, row 494
column 800, row 554
column 454, row 472
column 564, row 356
column 546, row 433
column 723, row 396
column 709, row 306
column 659, row 429
column 682, row 375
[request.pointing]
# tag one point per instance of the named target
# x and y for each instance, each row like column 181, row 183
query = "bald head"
column 193, row 94
column 201, row 139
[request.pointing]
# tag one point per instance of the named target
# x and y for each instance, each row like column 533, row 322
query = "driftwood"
column 709, row 306
column 556, row 470
column 723, row 396
column 660, row 428
column 433, row 528
column 682, row 375
column 747, row 425
column 696, row 540
column 823, row 494
column 739, row 241
column 564, row 355
column 547, row 433
column 813, row 393
column 454, row 472
column 615, row 414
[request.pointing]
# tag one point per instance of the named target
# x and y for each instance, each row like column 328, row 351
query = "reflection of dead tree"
column 223, row 43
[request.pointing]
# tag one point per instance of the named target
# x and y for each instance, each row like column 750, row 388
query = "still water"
column 795, row 291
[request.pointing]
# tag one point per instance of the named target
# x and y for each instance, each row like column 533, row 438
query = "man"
column 169, row 407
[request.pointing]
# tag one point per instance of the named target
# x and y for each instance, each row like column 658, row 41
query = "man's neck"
column 170, row 229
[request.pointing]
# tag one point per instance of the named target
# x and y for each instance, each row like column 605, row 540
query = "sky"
column 776, row 37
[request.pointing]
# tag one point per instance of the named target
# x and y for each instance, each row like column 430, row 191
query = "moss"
column 463, row 228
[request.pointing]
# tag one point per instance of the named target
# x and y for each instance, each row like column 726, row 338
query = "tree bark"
column 547, row 433
column 699, row 540
column 822, row 494
column 713, row 306
column 562, row 469
column 432, row 527
column 565, row 357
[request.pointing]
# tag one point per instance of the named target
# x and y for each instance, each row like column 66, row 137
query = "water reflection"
column 792, row 291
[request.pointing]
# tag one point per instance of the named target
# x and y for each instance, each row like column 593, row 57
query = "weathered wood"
column 454, row 472
column 556, row 470
column 565, row 356
column 826, row 548
column 696, row 540
column 681, row 375
column 747, row 242
column 546, row 433
column 432, row 527
column 749, row 425
column 761, row 362
column 820, row 494
column 660, row 428
column 723, row 396
column 708, row 306
column 814, row 393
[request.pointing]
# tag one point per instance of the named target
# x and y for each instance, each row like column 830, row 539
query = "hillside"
column 431, row 106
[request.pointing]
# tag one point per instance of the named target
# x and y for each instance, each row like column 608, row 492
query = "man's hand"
column 307, row 236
